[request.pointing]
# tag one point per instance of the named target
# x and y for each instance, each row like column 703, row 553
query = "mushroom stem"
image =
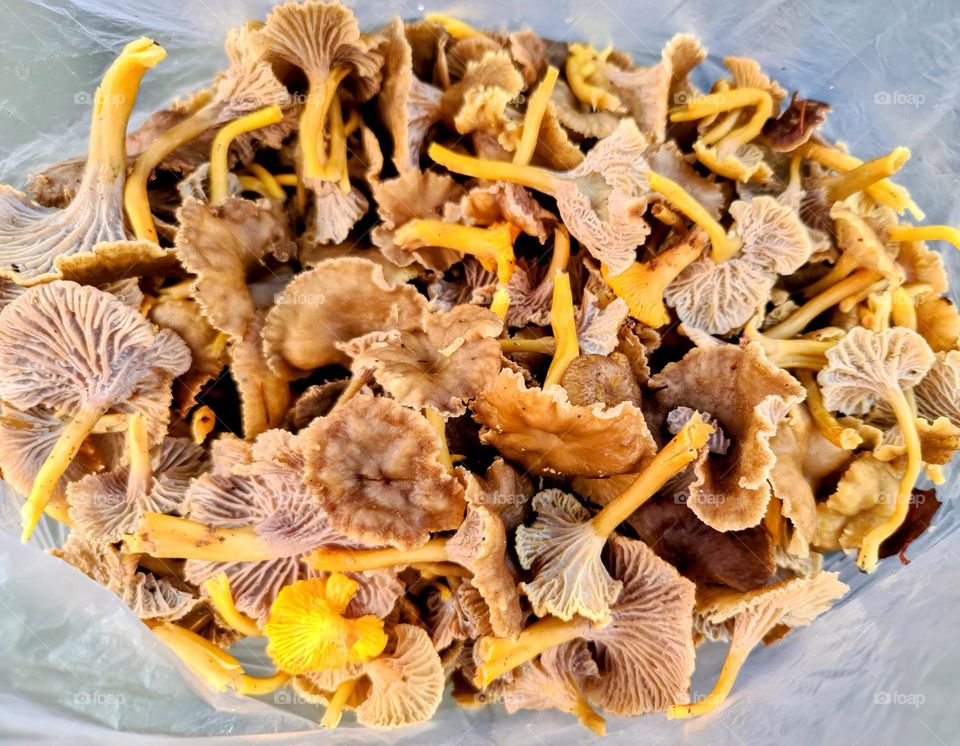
column 793, row 353
column 869, row 554
column 220, row 149
column 219, row 669
column 642, row 285
column 728, row 675
column 867, row 174
column 135, row 199
column 181, row 538
column 497, row 655
column 585, row 713
column 438, row 423
column 335, row 168
column 269, row 181
column 337, row 704
column 855, row 299
column 287, row 180
column 543, row 345
column 903, row 311
column 358, row 560
column 799, row 319
column 722, row 246
column 138, row 451
column 221, row 598
column 842, row 437
column 924, row 233
column 492, row 246
column 533, row 116
column 202, row 422
column 253, row 184
column 721, row 130
column 538, row 179
column 564, row 326
column 62, row 454
column 884, row 191
column 454, row 26
column 700, row 107
column 671, row 460
column 580, row 65
column 312, row 120
column 254, row 686
column 357, row 382
column 843, row 267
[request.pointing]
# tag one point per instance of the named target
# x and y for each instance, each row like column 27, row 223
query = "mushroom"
column 406, row 685
column 504, row 490
column 564, row 543
column 794, row 603
column 479, row 100
column 447, row 362
column 501, row 201
column 541, row 430
column 34, row 242
column 608, row 380
column 796, row 124
column 338, row 300
column 866, row 367
column 601, row 201
column 749, row 397
column 83, row 353
column 580, row 117
column 458, row 614
column 374, row 468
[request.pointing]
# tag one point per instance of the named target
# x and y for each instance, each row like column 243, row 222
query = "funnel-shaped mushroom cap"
column 406, row 685
column 865, row 365
column 598, row 327
column 335, row 212
column 668, row 160
column 748, row 396
column 69, row 348
column 449, row 361
column 938, row 393
column 796, row 124
column 338, row 300
column 504, row 490
column 374, row 467
column 460, row 614
column 609, row 380
column 249, row 83
column 646, row 654
column 479, row 100
column 541, row 430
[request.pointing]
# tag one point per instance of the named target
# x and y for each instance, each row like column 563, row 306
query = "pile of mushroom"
column 434, row 354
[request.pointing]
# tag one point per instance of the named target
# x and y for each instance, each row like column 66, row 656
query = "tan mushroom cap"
column 503, row 489
column 646, row 654
column 317, row 687
column 338, row 300
column 579, row 117
column 545, row 433
column 406, row 686
column 564, row 553
column 460, row 614
column 335, row 213
column 500, row 201
column 749, row 397
column 479, row 100
column 857, row 238
column 938, row 393
column 373, row 467
column 598, row 326
column 453, row 358
column 607, row 380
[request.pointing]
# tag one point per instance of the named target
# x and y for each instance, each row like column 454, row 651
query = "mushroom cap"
column 864, row 365
column 922, row 265
column 316, row 401
column 503, row 489
column 608, row 380
column 747, row 73
column 939, row 323
column 796, row 124
column 457, row 615
column 406, row 686
column 938, row 392
column 498, row 202
column 774, row 238
column 338, row 300
column 579, row 117
column 334, row 213
column 598, row 327
column 317, row 687
column 552, row 680
column 563, row 550
column 418, row 368
column 67, row 347
column 479, row 100
column 646, row 654
column 249, row 82
column 544, row 432
column 857, row 237
column 749, row 397
column 373, row 467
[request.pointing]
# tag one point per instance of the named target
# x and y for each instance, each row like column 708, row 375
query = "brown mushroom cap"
column 460, row 614
column 502, row 201
column 608, row 380
column 796, row 124
column 503, row 489
column 579, row 117
column 479, row 100
column 334, row 212
column 338, row 300
column 544, row 432
column 748, row 396
column 373, row 466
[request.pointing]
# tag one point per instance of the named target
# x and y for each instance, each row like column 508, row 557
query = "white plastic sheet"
column 76, row 668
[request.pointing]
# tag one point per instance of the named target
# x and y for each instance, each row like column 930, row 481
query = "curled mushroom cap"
column 504, row 490
column 449, row 361
column 338, row 300
column 938, row 393
column 544, row 432
column 406, row 685
column 460, row 614
column 479, row 100
column 609, row 380
column 748, row 396
column 796, row 124
column 373, row 466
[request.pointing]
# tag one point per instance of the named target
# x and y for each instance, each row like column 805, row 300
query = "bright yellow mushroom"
column 585, row 79
column 533, row 116
column 564, row 327
column 722, row 246
column 220, row 149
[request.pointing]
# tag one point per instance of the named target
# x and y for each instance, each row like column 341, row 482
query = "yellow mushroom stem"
column 539, row 179
column 312, row 120
column 439, row 424
column 799, row 319
column 220, row 149
column 357, row 382
column 497, row 655
column 903, row 310
column 584, row 712
column 924, row 233
column 849, row 303
column 335, row 168
column 202, row 422
column 700, row 107
column 865, row 175
column 168, row 536
column 642, row 285
column 722, row 246
column 670, row 461
column 269, row 181
column 582, row 74
column 794, row 353
column 564, row 325
column 337, row 704
column 667, row 216
column 138, row 453
column 876, row 315
column 55, row 466
column 253, row 686
column 842, row 437
column 253, row 184
column 719, row 131
column 844, row 267
column 884, row 191
column 533, row 116
column 869, row 554
column 455, row 27
column 728, row 675
column 560, row 257
column 358, row 560
column 542, row 345
column 221, row 598
column 287, row 180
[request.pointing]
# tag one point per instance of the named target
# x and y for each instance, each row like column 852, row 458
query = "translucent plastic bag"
column 878, row 668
